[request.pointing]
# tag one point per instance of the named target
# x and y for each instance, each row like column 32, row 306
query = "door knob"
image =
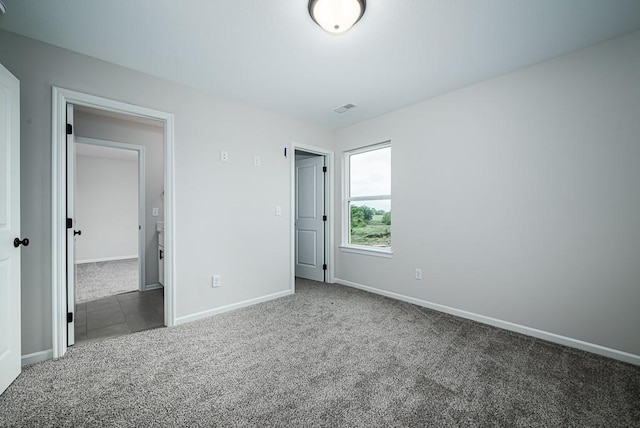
column 17, row 242
column 77, row 232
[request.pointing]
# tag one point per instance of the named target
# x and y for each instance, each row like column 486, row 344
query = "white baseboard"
column 150, row 287
column 540, row 334
column 232, row 307
column 106, row 259
column 37, row 357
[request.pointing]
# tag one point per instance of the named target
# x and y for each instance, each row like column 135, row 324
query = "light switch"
column 278, row 210
column 155, row 212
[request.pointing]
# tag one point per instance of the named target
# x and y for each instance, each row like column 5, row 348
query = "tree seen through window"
column 369, row 197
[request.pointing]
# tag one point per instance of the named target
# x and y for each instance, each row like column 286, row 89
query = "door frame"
column 142, row 284
column 60, row 98
column 329, row 209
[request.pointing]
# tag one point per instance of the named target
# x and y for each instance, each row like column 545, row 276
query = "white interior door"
column 10, row 351
column 309, row 222
column 71, row 224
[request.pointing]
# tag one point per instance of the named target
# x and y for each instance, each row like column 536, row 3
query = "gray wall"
column 518, row 197
column 225, row 221
column 106, row 201
column 114, row 128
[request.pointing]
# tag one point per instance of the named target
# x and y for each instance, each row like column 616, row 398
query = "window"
column 367, row 206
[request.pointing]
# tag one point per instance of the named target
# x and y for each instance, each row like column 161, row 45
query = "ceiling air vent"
column 344, row 108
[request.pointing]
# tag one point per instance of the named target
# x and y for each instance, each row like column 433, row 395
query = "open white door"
column 309, row 220
column 71, row 222
column 10, row 239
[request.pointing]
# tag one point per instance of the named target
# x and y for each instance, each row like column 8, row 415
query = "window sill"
column 376, row 252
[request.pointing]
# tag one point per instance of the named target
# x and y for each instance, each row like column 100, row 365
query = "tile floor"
column 119, row 314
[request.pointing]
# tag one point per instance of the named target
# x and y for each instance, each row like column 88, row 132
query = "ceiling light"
column 336, row 16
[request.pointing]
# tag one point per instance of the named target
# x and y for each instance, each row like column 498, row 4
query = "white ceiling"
column 269, row 53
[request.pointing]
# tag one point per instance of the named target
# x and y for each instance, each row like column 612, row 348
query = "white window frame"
column 346, row 246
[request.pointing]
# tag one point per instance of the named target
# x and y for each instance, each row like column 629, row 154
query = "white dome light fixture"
column 336, row 16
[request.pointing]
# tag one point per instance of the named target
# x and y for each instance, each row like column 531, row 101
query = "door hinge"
column 69, row 223
column 69, row 316
column 69, row 129
column 324, row 169
column 324, row 266
column 324, row 218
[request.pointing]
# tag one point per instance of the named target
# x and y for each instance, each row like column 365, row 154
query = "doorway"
column 310, row 216
column 110, row 188
column 106, row 193
column 64, row 226
column 312, row 213
column 111, row 296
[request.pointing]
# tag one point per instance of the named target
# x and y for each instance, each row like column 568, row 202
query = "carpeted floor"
column 102, row 279
column 326, row 356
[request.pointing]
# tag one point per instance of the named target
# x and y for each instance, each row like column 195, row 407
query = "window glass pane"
column 370, row 173
column 370, row 223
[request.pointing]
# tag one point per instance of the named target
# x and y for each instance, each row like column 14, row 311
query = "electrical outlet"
column 215, row 281
column 278, row 210
column 155, row 212
column 418, row 273
column 224, row 156
column 256, row 161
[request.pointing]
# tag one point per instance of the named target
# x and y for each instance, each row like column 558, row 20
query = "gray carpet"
column 102, row 279
column 326, row 356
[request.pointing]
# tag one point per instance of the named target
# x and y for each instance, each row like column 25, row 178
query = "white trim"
column 506, row 325
column 369, row 198
column 37, row 357
column 142, row 193
column 368, row 148
column 153, row 286
column 373, row 251
column 58, row 231
column 60, row 98
column 232, row 307
column 329, row 235
column 106, row 259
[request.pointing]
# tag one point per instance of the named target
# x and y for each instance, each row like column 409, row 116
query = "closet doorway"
column 312, row 217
